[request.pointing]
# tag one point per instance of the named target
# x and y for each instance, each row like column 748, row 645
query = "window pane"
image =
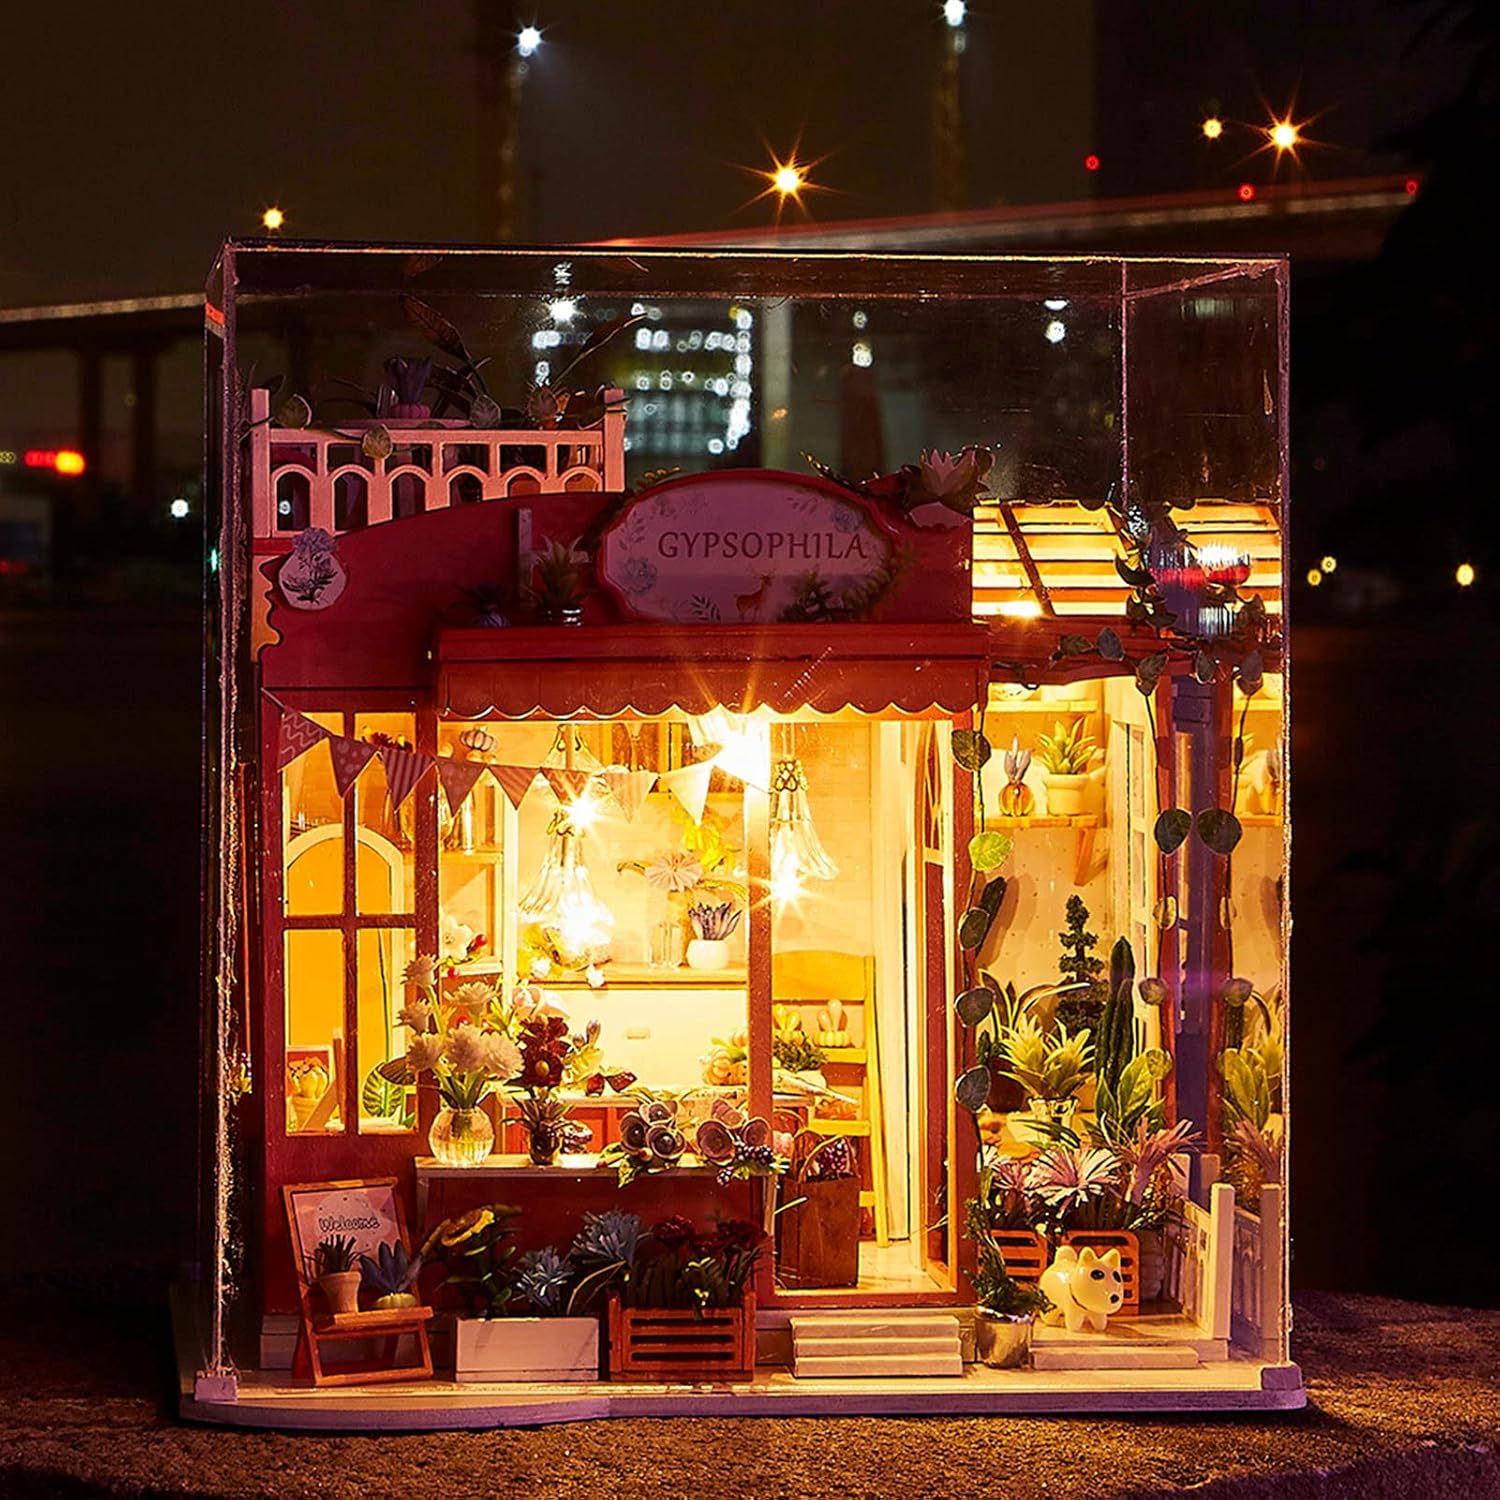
column 382, row 954
column 312, row 831
column 383, row 876
column 314, row 1030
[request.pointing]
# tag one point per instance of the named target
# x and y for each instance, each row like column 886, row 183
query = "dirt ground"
column 1405, row 1403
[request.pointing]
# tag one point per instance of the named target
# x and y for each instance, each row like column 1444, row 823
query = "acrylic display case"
column 849, row 692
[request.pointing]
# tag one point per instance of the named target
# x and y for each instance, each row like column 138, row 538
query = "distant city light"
column 528, row 39
column 787, row 179
column 1055, row 304
column 1246, row 192
column 1329, row 563
column 1213, row 127
column 1283, row 135
column 1056, row 331
column 862, row 355
column 1463, row 575
column 562, row 309
column 180, row 509
column 273, row 219
column 59, row 460
column 1091, row 163
column 1314, row 576
column 954, row 12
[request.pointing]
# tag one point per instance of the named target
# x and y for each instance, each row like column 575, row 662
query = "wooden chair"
column 816, row 976
column 319, row 1326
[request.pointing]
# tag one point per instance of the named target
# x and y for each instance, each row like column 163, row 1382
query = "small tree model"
column 1077, row 965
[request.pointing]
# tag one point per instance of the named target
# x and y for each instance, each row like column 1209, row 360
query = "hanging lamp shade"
column 797, row 853
column 562, row 898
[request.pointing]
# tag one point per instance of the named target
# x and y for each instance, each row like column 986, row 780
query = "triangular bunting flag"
column 458, row 778
column 350, row 757
column 568, row 785
column 690, row 787
column 515, row 781
column 403, row 770
column 628, row 788
column 298, row 735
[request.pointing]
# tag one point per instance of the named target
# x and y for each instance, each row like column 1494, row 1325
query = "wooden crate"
column 671, row 1345
column 1026, row 1254
column 1129, row 1246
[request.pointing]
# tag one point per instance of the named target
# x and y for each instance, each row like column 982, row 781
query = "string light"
column 1464, row 575
column 787, row 180
column 1091, row 162
column 1213, row 127
column 1329, row 563
column 1284, row 135
column 272, row 219
column 1314, row 577
column 1246, row 192
column 955, row 12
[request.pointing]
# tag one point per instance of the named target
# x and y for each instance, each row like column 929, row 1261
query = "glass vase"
column 461, row 1137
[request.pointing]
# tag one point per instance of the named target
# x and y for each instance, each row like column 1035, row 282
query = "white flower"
column 424, row 1053
column 454, row 938
column 595, row 976
column 474, row 997
column 417, row 1014
column 541, row 966
column 502, row 1058
column 945, row 474
column 465, row 1049
column 420, row 971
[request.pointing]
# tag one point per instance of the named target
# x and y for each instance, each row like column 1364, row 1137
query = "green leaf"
column 1251, row 674
column 1172, row 826
column 970, row 749
column 376, row 443
column 1108, row 645
column 973, row 928
column 1219, row 829
column 1205, row 668
column 975, row 1004
column 972, row 1091
column 988, row 851
column 1137, row 578
column 1165, row 914
column 991, row 897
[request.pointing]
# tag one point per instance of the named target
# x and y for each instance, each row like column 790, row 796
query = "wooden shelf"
column 844, row 1054
column 838, row 1127
column 1079, row 820
column 642, row 976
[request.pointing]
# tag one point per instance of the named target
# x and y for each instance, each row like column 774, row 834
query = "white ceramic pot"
column 1065, row 795
column 708, row 953
column 525, row 1349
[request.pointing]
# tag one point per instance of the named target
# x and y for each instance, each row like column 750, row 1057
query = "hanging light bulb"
column 797, row 853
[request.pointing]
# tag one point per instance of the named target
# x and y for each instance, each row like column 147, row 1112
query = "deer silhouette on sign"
column 750, row 605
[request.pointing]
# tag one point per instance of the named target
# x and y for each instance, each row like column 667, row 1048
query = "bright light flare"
column 1056, row 331
column 272, row 219
column 1213, row 128
column 179, row 509
column 787, row 180
column 562, row 309
column 1019, row 609
column 1464, row 575
column 1284, row 135
column 955, row 12
column 528, row 39
column 1329, row 563
column 1314, row 577
column 585, row 812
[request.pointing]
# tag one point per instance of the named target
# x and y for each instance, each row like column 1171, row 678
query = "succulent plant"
column 1065, row 752
column 714, row 923
column 390, row 1273
column 559, row 583
column 335, row 1253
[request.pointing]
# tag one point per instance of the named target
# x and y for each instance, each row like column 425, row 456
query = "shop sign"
column 743, row 547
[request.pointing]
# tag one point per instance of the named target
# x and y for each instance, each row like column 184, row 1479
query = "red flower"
column 675, row 1232
column 544, row 1052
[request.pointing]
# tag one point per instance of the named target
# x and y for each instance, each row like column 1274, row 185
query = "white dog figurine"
column 1083, row 1288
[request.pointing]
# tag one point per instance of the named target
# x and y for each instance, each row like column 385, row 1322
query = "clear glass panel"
column 312, row 833
column 382, row 954
column 314, row 1031
column 384, row 874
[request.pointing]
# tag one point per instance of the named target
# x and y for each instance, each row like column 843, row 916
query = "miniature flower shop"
column 746, row 836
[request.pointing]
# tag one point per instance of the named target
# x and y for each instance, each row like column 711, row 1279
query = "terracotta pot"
column 341, row 1288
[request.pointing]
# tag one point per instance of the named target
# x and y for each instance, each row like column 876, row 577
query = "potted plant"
column 555, row 1333
column 650, row 1140
column 712, row 928
column 1065, row 756
column 1017, row 800
column 462, row 1042
column 686, row 1310
column 390, row 1276
column 1082, row 993
column 1051, row 1068
column 1004, row 1308
column 1010, row 1217
column 558, row 591
column 547, row 1053
column 337, row 1275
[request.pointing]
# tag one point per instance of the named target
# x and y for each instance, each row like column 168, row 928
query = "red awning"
column 600, row 671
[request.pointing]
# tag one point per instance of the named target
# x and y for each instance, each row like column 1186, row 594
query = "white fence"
column 300, row 477
column 1198, row 1245
column 1255, row 1304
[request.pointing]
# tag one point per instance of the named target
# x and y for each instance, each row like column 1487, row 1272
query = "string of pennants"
column 405, row 770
